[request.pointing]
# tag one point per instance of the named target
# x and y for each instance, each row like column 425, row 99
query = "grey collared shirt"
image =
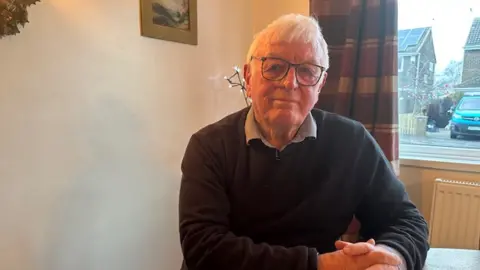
column 307, row 130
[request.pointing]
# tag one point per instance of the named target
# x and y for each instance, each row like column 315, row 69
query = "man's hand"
column 362, row 248
column 382, row 267
column 367, row 256
column 359, row 248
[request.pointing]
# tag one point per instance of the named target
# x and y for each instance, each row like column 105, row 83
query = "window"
column 439, row 114
column 470, row 104
column 400, row 64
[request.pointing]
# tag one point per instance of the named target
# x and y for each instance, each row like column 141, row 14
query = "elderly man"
column 274, row 185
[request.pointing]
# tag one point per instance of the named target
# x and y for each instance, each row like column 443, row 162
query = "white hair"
column 294, row 28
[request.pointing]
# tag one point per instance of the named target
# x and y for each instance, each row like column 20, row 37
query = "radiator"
column 455, row 216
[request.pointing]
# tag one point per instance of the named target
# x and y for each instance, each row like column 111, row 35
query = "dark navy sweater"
column 248, row 207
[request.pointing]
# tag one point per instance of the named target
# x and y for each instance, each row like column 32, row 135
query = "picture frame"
column 171, row 20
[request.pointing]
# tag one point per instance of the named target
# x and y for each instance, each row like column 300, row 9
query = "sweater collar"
column 308, row 129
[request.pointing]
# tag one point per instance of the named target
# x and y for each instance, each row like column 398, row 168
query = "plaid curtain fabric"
column 362, row 79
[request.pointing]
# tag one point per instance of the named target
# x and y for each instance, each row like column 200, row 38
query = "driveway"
column 441, row 138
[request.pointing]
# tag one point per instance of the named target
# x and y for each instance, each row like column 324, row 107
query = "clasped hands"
column 359, row 256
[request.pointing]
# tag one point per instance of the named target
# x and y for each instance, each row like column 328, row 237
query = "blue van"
column 466, row 116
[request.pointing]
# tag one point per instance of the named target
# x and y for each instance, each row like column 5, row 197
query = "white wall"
column 265, row 11
column 94, row 121
column 419, row 177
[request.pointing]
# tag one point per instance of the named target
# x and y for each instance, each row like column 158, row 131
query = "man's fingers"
column 341, row 244
column 384, row 257
column 382, row 267
column 358, row 249
column 376, row 267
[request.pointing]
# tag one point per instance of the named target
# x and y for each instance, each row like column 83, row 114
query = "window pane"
column 470, row 104
column 439, row 74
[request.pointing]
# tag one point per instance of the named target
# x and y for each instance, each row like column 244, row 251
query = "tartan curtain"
column 362, row 79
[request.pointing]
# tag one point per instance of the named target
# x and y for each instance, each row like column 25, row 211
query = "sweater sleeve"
column 386, row 212
column 206, row 239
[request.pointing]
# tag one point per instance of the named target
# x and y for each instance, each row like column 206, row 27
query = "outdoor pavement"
column 441, row 138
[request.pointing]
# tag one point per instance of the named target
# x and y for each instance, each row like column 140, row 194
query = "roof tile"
column 474, row 35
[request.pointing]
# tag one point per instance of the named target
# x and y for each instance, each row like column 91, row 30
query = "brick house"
column 416, row 65
column 471, row 60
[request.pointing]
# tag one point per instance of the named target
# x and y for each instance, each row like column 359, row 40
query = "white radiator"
column 455, row 216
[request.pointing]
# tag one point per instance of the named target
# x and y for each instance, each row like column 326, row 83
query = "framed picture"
column 172, row 20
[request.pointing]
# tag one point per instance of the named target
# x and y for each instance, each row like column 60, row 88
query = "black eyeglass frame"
column 290, row 65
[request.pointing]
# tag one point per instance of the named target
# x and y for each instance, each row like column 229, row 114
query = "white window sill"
column 444, row 158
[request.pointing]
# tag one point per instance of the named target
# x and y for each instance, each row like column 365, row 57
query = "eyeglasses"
column 275, row 69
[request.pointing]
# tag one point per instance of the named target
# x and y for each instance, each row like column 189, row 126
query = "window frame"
column 440, row 165
column 401, row 59
column 458, row 156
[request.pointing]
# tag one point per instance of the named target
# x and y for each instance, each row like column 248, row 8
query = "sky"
column 450, row 21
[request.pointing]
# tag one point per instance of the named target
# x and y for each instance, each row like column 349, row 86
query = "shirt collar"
column 308, row 129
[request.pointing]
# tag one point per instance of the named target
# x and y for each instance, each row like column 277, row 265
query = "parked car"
column 466, row 116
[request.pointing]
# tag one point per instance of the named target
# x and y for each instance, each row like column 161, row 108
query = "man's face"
column 282, row 103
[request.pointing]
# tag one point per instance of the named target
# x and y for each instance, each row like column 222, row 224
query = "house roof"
column 410, row 40
column 474, row 35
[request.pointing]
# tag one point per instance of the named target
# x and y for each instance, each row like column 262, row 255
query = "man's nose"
column 290, row 80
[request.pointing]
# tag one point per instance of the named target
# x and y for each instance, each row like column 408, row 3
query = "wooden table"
column 452, row 259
